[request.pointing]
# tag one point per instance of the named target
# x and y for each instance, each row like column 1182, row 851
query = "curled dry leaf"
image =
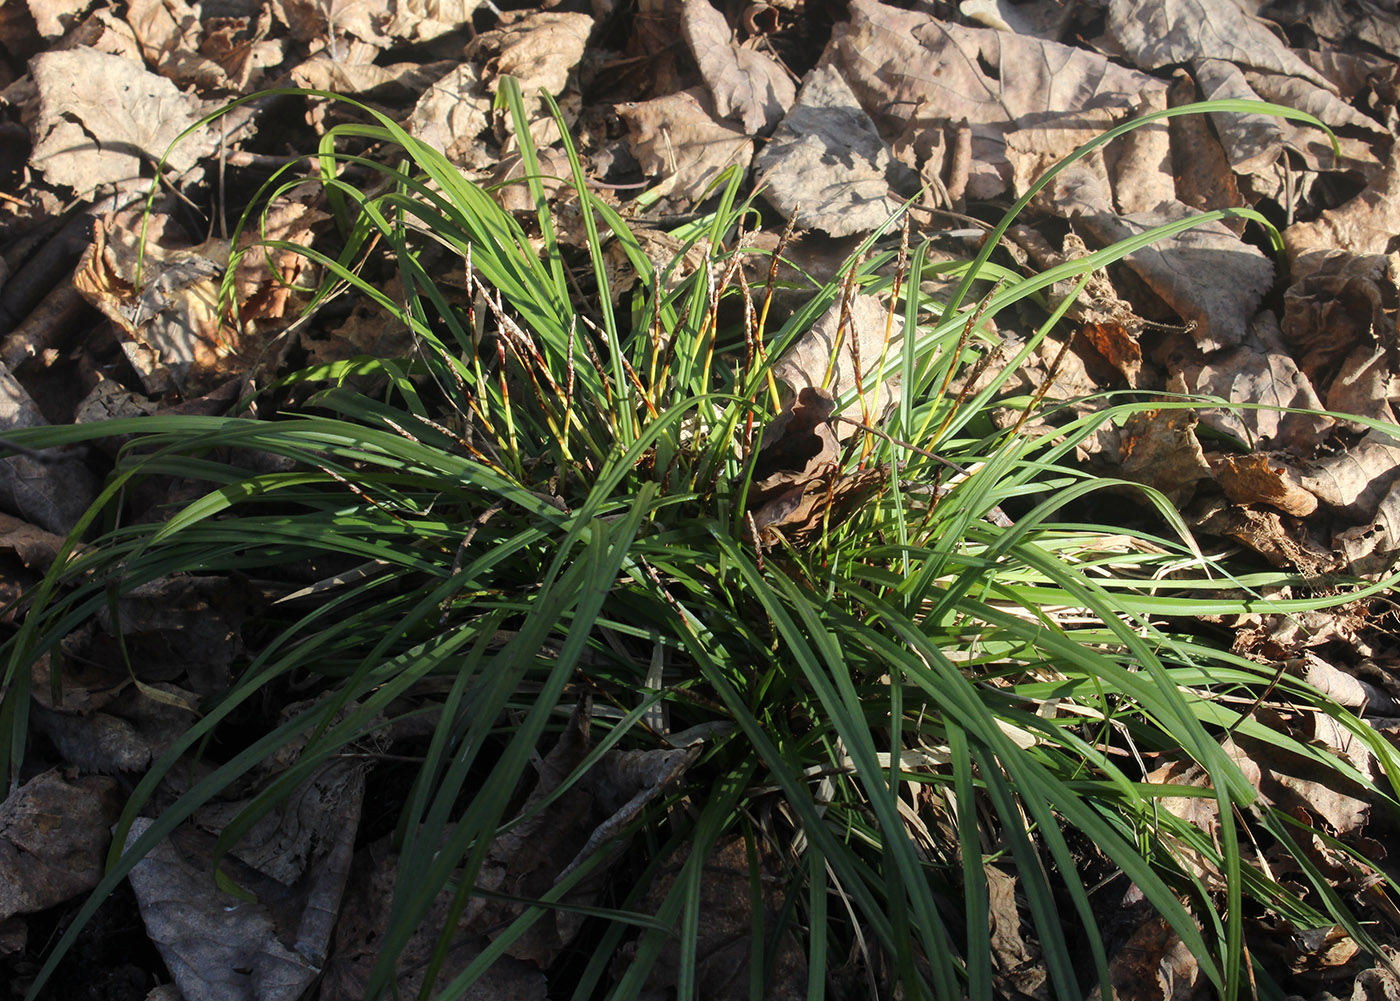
column 172, row 330
column 173, row 325
column 54, row 832
column 747, row 85
column 1107, row 321
column 508, row 181
column 353, row 71
column 1141, row 170
column 369, row 331
column 827, row 165
column 1264, row 531
column 1261, row 479
column 1017, row 963
column 84, row 139
column 677, row 137
column 812, row 506
column 797, row 491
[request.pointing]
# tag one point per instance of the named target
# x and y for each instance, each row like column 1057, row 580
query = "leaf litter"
column 839, row 125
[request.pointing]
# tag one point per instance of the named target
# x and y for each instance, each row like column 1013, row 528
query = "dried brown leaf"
column 84, row 139
column 1264, row 531
column 1353, row 482
column 423, row 20
column 1157, row 33
column 540, row 50
column 826, row 163
column 452, row 115
column 1253, row 142
column 1200, row 169
column 52, row 495
column 264, row 280
column 1342, row 687
column 1159, row 449
column 53, row 18
column 1206, row 274
column 173, row 326
column 34, row 546
column 747, row 85
column 722, row 947
column 1141, row 165
column 678, row 138
column 241, row 48
column 1363, row 225
column 1118, row 345
column 328, row 24
column 369, row 330
column 1371, row 549
column 814, row 505
column 126, row 735
column 54, row 832
column 1341, row 23
column 798, row 445
column 1154, row 964
column 220, row 948
column 355, row 73
column 527, row 861
column 1260, row 371
column 1047, row 21
column 903, row 65
column 1339, row 322
column 838, row 353
column 172, row 331
column 1263, row 479
column 169, row 34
